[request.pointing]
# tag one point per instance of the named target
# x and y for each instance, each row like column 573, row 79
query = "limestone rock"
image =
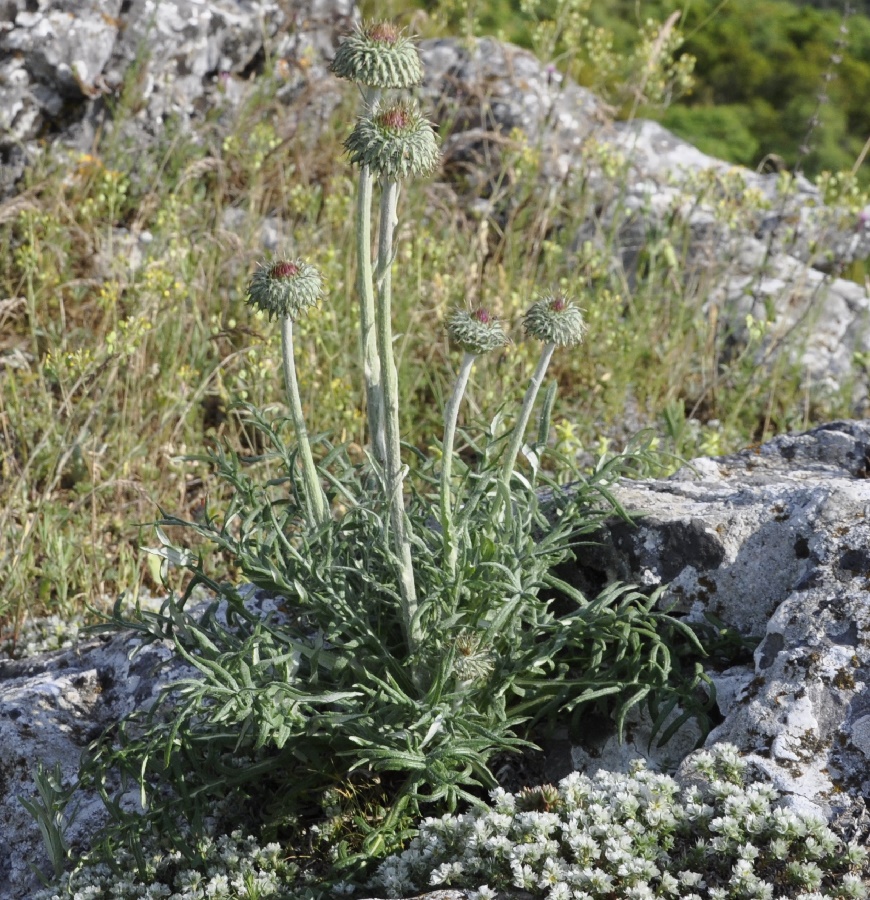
column 772, row 541
column 482, row 94
column 52, row 56
column 64, row 62
column 485, row 91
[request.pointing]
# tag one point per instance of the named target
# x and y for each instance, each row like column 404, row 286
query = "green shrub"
column 721, row 131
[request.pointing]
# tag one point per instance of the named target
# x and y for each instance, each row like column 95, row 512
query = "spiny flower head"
column 555, row 320
column 378, row 55
column 394, row 141
column 476, row 332
column 284, row 288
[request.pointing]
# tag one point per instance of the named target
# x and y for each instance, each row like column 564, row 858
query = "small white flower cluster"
column 235, row 868
column 42, row 636
column 636, row 837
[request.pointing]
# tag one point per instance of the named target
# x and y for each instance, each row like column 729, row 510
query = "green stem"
column 451, row 414
column 371, row 363
column 393, row 469
column 522, row 422
column 317, row 507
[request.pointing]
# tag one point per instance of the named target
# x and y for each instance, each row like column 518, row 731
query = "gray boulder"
column 64, row 63
column 773, row 542
column 488, row 90
column 51, row 708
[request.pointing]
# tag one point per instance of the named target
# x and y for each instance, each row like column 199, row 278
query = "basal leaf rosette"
column 394, row 141
column 476, row 332
column 555, row 320
column 379, row 55
column 284, row 289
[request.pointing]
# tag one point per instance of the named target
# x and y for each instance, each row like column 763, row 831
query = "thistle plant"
column 283, row 290
column 475, row 333
column 398, row 659
column 556, row 322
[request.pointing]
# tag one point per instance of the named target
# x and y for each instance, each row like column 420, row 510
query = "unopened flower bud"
column 472, row 662
column 394, row 141
column 555, row 320
column 543, row 798
column 378, row 55
column 476, row 332
column 285, row 288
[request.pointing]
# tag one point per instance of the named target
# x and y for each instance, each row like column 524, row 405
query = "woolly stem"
column 390, row 382
column 316, row 499
column 522, row 422
column 368, row 335
column 451, row 414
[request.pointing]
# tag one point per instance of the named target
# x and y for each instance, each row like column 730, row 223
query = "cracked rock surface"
column 774, row 542
column 65, row 63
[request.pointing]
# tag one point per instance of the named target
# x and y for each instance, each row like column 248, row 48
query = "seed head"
column 285, row 288
column 555, row 320
column 476, row 332
column 394, row 141
column 378, row 55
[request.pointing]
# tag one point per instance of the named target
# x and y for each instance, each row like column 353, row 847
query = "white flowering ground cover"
column 606, row 837
column 634, row 837
column 235, row 866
